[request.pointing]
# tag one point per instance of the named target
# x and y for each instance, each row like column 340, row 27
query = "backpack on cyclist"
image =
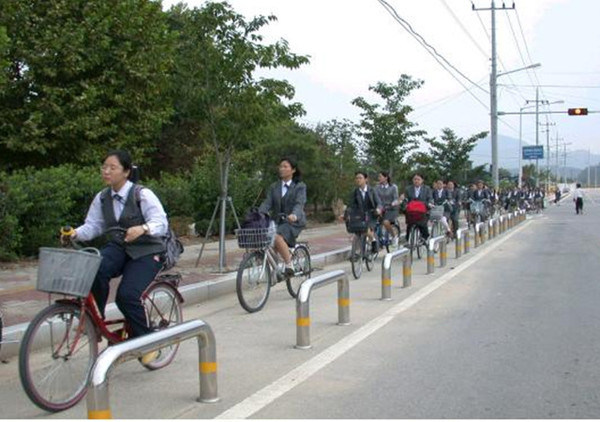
column 173, row 246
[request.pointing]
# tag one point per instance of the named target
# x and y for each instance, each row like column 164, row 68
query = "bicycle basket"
column 67, row 271
column 477, row 207
column 256, row 238
column 436, row 213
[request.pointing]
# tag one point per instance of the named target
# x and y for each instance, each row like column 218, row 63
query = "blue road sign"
column 534, row 152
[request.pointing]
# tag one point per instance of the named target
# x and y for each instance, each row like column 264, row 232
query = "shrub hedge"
column 34, row 204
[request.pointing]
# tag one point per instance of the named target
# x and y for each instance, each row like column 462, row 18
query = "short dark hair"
column 418, row 173
column 364, row 173
column 123, row 156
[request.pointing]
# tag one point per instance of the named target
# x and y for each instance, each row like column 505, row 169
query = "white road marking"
column 272, row 392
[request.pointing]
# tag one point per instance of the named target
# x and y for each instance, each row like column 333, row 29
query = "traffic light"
column 579, row 111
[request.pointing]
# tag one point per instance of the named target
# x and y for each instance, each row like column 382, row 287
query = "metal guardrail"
column 303, row 303
column 462, row 242
column 386, row 271
column 97, row 395
column 431, row 251
column 479, row 234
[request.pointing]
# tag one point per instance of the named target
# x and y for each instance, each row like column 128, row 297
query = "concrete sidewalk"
column 20, row 301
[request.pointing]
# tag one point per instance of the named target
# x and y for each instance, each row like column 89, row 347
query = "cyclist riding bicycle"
column 454, row 195
column 417, row 192
column 366, row 201
column 136, row 253
column 388, row 194
column 481, row 194
column 442, row 199
column 286, row 198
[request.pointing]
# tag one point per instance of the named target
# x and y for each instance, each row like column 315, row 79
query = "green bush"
column 38, row 202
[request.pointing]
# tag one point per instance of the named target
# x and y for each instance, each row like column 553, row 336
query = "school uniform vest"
column 131, row 216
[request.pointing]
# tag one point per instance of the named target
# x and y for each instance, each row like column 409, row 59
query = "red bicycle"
column 61, row 343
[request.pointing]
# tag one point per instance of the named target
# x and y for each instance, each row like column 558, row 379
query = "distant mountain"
column 508, row 149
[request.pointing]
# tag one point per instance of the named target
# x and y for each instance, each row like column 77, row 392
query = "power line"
column 431, row 50
column 464, row 28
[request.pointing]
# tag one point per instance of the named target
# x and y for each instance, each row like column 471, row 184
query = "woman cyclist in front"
column 136, row 254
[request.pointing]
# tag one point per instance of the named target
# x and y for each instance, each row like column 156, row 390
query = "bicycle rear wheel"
column 57, row 353
column 302, row 268
column 356, row 255
column 253, row 281
column 163, row 310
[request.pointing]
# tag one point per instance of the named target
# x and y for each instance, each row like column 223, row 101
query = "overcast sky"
column 356, row 43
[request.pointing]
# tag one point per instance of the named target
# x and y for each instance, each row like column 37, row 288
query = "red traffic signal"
column 579, row 111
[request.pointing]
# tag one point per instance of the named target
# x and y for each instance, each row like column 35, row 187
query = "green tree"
column 450, row 155
column 83, row 76
column 390, row 136
column 217, row 95
column 341, row 136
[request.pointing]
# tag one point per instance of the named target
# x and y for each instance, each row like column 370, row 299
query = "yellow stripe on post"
column 345, row 302
column 208, row 367
column 430, row 260
column 406, row 271
column 99, row 414
column 303, row 322
column 443, row 255
column 387, row 282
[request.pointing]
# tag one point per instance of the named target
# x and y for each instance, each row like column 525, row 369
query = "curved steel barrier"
column 461, row 241
column 302, row 303
column 479, row 234
column 431, row 251
column 386, row 271
column 97, row 395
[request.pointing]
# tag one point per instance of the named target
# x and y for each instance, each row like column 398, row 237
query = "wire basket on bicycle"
column 67, row 271
column 256, row 238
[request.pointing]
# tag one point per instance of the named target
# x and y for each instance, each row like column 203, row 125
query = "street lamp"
column 494, row 114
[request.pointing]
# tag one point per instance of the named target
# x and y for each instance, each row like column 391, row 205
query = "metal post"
column 430, row 252
column 458, row 242
column 467, row 247
column 303, row 303
column 443, row 252
column 386, row 271
column 98, row 390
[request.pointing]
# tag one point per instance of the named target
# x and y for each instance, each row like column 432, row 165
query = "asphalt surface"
column 507, row 331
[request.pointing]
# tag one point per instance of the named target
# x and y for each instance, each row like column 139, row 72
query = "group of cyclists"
column 442, row 202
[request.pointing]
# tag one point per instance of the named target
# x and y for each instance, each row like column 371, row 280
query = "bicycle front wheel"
column 253, row 282
column 163, row 310
column 356, row 255
column 302, row 268
column 57, row 353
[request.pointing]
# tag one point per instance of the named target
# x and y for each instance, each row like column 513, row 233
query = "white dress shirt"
column 152, row 210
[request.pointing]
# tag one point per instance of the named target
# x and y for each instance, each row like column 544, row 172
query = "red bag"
column 415, row 206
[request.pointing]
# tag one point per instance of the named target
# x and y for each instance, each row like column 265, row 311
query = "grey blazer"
column 292, row 203
column 425, row 194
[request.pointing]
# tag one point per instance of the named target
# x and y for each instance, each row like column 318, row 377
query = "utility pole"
column 589, row 164
column 547, row 130
column 557, row 154
column 494, row 95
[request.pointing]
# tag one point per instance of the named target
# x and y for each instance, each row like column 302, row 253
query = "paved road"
column 508, row 331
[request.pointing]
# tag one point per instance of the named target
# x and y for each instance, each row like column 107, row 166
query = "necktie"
column 285, row 189
column 118, row 198
column 417, row 192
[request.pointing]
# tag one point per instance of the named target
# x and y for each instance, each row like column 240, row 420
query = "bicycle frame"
column 102, row 325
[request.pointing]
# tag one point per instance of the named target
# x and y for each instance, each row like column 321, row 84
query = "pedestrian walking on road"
column 557, row 197
column 578, row 199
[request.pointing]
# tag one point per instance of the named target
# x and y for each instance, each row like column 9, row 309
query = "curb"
column 192, row 294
